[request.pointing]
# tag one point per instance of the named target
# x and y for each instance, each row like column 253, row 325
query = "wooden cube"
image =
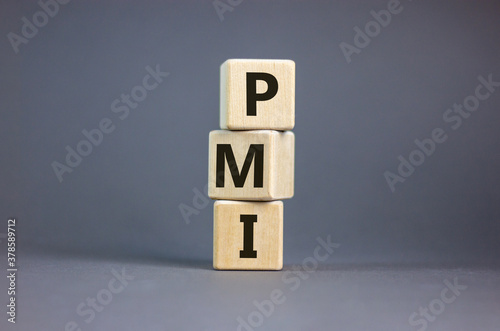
column 248, row 235
column 251, row 165
column 257, row 94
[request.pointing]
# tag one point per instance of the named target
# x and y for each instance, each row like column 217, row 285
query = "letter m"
column 224, row 151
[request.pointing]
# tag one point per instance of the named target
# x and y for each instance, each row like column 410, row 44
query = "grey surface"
column 353, row 120
column 172, row 296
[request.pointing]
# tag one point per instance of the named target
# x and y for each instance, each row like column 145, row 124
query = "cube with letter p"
column 257, row 94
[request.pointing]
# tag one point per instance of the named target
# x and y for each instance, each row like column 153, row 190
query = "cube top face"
column 257, row 94
column 251, row 165
column 248, row 235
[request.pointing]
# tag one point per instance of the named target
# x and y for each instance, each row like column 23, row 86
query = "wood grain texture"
column 278, row 165
column 229, row 235
column 277, row 113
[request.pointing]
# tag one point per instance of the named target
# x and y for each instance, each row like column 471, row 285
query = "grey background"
column 352, row 122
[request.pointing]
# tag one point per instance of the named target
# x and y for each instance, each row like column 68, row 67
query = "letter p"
column 253, row 96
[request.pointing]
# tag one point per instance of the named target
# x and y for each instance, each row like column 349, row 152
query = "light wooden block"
column 248, row 235
column 241, row 82
column 263, row 166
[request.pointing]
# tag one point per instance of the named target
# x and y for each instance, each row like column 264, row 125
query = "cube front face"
column 248, row 235
column 251, row 165
column 257, row 94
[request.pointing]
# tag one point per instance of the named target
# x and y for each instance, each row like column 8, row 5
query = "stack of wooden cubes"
column 251, row 163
